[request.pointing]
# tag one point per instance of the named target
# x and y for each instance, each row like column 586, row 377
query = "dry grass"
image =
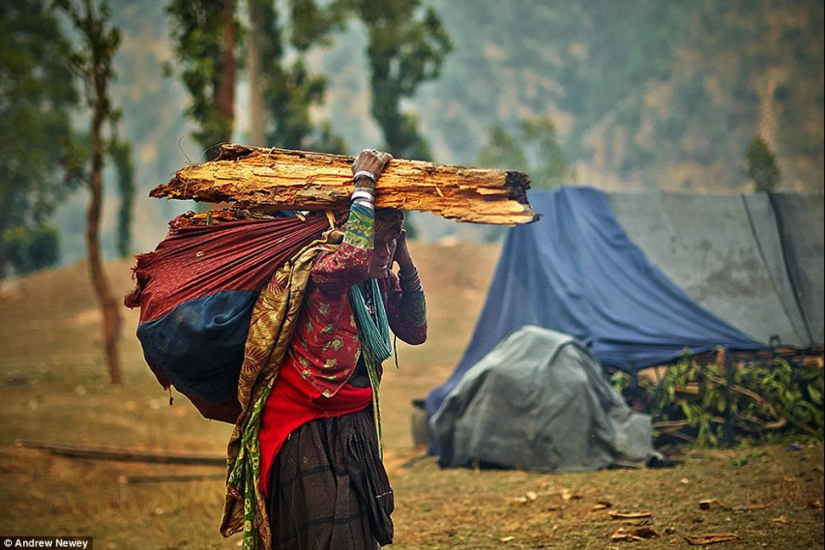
column 53, row 388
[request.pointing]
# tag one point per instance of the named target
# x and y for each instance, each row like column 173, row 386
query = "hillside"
column 645, row 94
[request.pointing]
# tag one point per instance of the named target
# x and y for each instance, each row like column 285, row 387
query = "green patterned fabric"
column 245, row 477
column 414, row 307
column 360, row 227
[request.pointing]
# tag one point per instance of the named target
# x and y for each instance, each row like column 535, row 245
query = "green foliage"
column 37, row 94
column 313, row 24
column 291, row 92
column 403, row 51
column 198, row 31
column 121, row 153
column 31, row 248
column 534, row 151
column 692, row 402
column 761, row 166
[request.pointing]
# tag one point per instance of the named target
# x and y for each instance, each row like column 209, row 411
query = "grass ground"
column 53, row 388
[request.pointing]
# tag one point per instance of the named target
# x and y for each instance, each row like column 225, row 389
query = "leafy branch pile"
column 697, row 403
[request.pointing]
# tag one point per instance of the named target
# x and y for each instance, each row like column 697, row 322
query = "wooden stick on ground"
column 282, row 179
column 126, row 455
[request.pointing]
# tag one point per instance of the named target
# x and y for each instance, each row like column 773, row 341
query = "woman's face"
column 382, row 255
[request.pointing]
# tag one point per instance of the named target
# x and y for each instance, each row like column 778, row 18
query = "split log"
column 283, row 179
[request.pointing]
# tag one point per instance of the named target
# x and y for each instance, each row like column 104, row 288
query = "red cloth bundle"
column 196, row 292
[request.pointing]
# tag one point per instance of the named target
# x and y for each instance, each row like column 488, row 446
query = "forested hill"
column 644, row 93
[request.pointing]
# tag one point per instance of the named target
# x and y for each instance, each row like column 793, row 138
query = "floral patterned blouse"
column 325, row 346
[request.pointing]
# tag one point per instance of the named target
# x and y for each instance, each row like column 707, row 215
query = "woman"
column 324, row 482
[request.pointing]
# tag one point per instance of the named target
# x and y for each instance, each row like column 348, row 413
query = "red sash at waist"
column 291, row 404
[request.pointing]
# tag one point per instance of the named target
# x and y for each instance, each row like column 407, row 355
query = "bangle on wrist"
column 363, row 174
column 409, row 276
column 365, row 203
column 411, row 286
column 361, row 193
column 410, row 282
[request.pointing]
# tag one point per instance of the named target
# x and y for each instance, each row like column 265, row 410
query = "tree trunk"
column 103, row 291
column 256, row 126
column 281, row 179
column 106, row 299
column 225, row 94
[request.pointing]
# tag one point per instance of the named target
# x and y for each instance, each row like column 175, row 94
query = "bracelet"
column 361, row 193
column 409, row 287
column 363, row 174
column 411, row 282
column 413, row 275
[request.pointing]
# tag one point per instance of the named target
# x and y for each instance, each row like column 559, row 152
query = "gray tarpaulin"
column 539, row 401
column 753, row 260
column 800, row 220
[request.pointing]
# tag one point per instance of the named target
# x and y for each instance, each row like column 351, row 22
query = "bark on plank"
column 299, row 180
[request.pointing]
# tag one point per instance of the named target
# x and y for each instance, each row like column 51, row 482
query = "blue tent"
column 575, row 271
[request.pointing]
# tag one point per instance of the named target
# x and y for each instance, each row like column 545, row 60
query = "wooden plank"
column 283, row 179
column 126, row 455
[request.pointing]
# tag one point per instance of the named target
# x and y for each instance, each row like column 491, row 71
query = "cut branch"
column 282, row 179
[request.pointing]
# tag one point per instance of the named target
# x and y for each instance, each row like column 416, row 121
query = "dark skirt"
column 329, row 489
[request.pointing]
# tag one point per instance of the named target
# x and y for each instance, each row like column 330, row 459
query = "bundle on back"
column 196, row 293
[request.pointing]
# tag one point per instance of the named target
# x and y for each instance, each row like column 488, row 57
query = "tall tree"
column 92, row 62
column 254, row 42
column 206, row 34
column 37, row 94
column 290, row 90
column 404, row 51
column 406, row 48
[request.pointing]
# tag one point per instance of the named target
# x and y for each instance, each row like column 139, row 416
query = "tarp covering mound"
column 539, row 401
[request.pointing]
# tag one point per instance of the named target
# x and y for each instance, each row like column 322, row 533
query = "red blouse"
column 325, row 347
